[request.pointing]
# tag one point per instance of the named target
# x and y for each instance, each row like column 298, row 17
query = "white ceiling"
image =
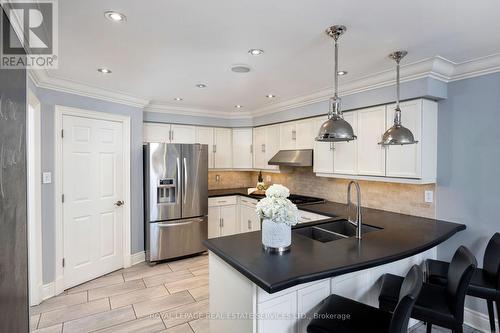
column 167, row 46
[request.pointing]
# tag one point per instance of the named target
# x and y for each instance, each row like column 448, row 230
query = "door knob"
column 119, row 203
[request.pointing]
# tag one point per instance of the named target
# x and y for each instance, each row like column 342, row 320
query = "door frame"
column 61, row 111
column 33, row 145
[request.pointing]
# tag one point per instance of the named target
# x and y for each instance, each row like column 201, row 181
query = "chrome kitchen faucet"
column 358, row 222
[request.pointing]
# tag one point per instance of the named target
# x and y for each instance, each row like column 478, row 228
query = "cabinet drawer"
column 248, row 202
column 222, row 201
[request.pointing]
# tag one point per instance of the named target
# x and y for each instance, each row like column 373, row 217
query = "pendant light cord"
column 397, row 114
column 336, row 68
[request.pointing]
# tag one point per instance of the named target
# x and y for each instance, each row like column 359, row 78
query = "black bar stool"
column 485, row 282
column 364, row 318
column 439, row 305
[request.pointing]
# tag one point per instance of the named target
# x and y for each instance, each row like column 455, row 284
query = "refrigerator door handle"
column 163, row 225
column 177, row 189
column 184, row 162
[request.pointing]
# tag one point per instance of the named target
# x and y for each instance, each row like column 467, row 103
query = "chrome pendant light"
column 335, row 129
column 397, row 134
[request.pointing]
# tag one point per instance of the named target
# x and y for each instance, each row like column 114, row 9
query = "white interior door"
column 92, row 169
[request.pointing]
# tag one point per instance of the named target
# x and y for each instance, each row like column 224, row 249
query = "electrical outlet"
column 429, row 196
column 46, row 178
column 268, row 178
column 217, row 178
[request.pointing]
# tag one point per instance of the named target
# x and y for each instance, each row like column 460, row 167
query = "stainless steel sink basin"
column 331, row 231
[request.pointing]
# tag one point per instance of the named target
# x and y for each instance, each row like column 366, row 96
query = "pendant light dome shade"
column 397, row 134
column 335, row 128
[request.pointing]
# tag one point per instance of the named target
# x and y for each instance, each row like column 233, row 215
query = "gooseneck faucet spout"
column 359, row 221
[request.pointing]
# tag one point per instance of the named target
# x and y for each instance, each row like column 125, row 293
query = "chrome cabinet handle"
column 119, row 203
column 294, row 135
column 332, row 147
column 251, row 149
column 221, row 222
column 263, row 148
column 214, row 149
column 249, row 225
column 172, row 135
column 222, row 201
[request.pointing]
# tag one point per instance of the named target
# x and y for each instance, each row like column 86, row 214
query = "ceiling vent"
column 240, row 68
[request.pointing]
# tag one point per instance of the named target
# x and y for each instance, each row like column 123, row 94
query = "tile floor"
column 170, row 297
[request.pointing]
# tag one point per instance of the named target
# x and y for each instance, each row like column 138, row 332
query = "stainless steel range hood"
column 296, row 158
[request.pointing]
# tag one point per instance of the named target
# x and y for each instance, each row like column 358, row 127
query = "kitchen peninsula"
column 261, row 292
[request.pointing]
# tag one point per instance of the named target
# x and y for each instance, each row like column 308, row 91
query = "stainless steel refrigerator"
column 175, row 199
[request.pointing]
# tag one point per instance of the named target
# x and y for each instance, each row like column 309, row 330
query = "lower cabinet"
column 309, row 301
column 222, row 218
column 249, row 221
column 278, row 314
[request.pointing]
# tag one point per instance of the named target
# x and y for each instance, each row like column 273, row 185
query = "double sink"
column 332, row 231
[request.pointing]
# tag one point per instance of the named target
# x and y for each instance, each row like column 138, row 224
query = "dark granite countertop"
column 401, row 236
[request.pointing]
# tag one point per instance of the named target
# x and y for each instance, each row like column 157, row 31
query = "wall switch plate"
column 268, row 179
column 429, row 196
column 217, row 178
column 46, row 177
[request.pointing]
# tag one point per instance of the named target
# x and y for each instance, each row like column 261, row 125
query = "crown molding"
column 42, row 79
column 438, row 68
column 191, row 111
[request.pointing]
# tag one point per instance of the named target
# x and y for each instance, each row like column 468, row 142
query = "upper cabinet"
column 297, row 134
column 266, row 143
column 364, row 158
column 223, row 157
column 205, row 135
column 323, row 152
column 371, row 155
column 155, row 132
column 242, row 148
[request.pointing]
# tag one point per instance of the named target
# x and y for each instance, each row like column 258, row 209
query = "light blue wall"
column 157, row 117
column 50, row 98
column 468, row 189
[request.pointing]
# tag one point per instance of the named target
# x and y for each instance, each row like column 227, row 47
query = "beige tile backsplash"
column 400, row 198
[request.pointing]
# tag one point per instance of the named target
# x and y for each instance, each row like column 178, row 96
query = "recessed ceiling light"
column 238, row 106
column 178, row 99
column 256, row 52
column 115, row 16
column 270, row 96
column 342, row 72
column 104, row 70
column 201, row 85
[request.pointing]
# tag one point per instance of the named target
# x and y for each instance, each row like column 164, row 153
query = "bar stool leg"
column 491, row 315
column 429, row 327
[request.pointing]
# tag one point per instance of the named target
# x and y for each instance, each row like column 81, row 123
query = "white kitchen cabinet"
column 266, row 141
column 417, row 160
column 223, row 157
column 323, row 152
column 306, row 133
column 288, row 135
column 169, row 133
column 371, row 155
column 356, row 285
column 222, row 217
column 155, row 132
column 183, row 134
column 345, row 157
column 284, row 307
column 242, row 148
column 309, row 300
column 205, row 135
column 249, row 221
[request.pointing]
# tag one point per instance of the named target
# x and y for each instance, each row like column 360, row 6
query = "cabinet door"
column 306, row 132
column 228, row 220
column 272, row 144
column 309, row 300
column 259, row 148
column 249, row 220
column 214, row 222
column 242, row 148
column 323, row 152
column 183, row 134
column 404, row 161
column 288, row 136
column 205, row 135
column 345, row 159
column 355, row 286
column 371, row 155
column 224, row 150
column 280, row 307
column 156, row 132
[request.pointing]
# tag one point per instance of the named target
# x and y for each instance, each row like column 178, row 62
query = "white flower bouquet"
column 276, row 208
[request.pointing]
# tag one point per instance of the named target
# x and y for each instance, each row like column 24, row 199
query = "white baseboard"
column 48, row 290
column 477, row 320
column 137, row 258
